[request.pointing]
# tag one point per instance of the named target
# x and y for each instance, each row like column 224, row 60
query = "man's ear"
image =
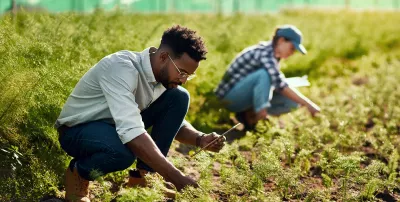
column 163, row 56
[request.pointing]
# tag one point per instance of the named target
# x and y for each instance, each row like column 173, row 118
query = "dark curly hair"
column 184, row 40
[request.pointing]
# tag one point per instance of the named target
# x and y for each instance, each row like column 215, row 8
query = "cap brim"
column 300, row 48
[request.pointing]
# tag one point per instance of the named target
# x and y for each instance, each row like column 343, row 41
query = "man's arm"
column 189, row 135
column 298, row 97
column 117, row 84
column 145, row 149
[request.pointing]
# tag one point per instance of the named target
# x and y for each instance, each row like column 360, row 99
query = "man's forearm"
column 187, row 135
column 145, row 149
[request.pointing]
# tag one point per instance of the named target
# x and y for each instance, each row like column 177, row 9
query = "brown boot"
column 76, row 187
column 136, row 179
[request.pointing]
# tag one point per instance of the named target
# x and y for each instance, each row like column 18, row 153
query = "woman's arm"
column 298, row 97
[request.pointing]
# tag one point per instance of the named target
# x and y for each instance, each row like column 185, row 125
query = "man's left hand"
column 216, row 146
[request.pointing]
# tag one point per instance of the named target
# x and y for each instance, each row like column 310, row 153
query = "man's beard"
column 164, row 79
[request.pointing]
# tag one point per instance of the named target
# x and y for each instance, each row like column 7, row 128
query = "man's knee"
column 123, row 159
column 179, row 96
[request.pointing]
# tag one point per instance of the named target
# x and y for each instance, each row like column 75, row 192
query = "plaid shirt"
column 248, row 61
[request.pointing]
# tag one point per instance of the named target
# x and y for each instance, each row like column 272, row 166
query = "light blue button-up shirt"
column 116, row 90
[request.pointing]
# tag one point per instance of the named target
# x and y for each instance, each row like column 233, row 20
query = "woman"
column 247, row 85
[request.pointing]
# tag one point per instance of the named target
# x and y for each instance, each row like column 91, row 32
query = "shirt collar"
column 148, row 71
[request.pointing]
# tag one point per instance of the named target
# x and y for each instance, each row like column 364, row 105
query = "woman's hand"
column 313, row 109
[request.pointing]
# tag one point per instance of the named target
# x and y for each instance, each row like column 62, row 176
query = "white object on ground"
column 298, row 81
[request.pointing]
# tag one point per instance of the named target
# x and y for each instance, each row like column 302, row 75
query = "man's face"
column 174, row 70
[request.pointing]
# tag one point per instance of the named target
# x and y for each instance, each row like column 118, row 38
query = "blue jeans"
column 253, row 91
column 96, row 146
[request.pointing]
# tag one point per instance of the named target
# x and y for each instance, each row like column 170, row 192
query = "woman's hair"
column 184, row 40
column 275, row 38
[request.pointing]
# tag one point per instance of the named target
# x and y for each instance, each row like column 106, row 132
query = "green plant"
column 348, row 152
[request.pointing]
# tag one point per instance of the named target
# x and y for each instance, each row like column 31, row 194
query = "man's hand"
column 216, row 146
column 184, row 181
column 144, row 148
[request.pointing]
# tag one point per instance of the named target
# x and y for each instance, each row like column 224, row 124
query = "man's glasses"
column 183, row 75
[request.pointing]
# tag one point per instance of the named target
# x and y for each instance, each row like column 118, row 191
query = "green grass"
column 349, row 152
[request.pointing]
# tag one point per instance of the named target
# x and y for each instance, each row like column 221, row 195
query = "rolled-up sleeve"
column 281, row 81
column 119, row 83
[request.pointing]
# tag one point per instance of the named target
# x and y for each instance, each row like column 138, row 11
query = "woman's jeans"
column 254, row 91
column 97, row 149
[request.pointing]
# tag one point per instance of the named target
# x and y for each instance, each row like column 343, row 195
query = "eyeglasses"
column 183, row 75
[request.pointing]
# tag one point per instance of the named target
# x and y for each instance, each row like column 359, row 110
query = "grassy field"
column 350, row 152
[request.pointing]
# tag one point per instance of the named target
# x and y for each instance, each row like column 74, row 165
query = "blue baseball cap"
column 293, row 34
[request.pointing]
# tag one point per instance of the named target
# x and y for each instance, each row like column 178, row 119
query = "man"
column 103, row 123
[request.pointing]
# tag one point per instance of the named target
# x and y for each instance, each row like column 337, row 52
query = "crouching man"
column 104, row 120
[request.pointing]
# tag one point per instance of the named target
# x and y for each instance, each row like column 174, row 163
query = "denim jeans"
column 96, row 146
column 254, row 91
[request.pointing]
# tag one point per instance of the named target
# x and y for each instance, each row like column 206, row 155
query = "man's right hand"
column 184, row 181
column 145, row 149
